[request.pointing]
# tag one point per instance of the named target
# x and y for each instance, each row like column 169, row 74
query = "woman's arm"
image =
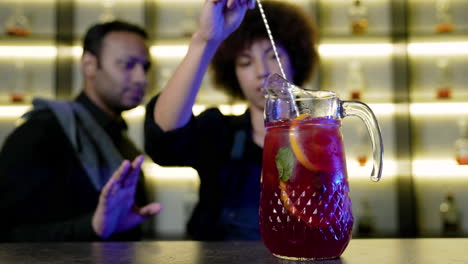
column 218, row 19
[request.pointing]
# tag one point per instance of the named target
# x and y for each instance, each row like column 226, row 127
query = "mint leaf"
column 284, row 163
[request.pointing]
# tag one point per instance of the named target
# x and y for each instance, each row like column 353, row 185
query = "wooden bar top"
column 359, row 251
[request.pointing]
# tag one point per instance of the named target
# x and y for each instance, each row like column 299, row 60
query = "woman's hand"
column 219, row 18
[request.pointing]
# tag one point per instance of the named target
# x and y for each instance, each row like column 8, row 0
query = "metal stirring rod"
column 271, row 38
column 290, row 94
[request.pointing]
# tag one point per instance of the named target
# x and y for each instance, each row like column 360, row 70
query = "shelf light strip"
column 325, row 50
column 417, row 109
column 30, row 1
column 438, row 48
column 158, row 51
column 346, row 50
column 439, row 169
column 169, row 51
column 178, row 174
column 139, row 112
column 439, row 109
column 16, row 111
column 28, row 51
column 178, row 51
column 422, row 169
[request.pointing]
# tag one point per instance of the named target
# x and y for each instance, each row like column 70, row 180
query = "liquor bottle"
column 365, row 226
column 107, row 12
column 362, row 149
column 444, row 17
column 444, row 83
column 449, row 216
column 356, row 81
column 18, row 91
column 188, row 24
column 461, row 144
column 18, row 23
column 358, row 17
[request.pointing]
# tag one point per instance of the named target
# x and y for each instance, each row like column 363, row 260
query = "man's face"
column 120, row 79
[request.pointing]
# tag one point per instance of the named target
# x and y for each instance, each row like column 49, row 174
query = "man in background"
column 70, row 172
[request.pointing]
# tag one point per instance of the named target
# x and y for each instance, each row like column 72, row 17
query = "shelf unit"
column 398, row 57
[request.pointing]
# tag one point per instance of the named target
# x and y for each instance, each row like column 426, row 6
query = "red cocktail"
column 305, row 210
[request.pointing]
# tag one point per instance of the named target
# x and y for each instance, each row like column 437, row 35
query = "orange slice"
column 284, row 196
column 304, row 161
column 287, row 204
column 295, row 146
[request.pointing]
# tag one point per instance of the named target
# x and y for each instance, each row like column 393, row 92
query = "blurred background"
column 405, row 58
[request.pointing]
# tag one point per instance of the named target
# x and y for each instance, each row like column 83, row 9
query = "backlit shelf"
column 439, row 109
column 440, row 169
column 29, row 52
column 422, row 169
column 336, row 50
column 416, row 109
column 178, row 51
column 187, row 174
column 452, row 48
column 154, row 172
column 163, row 51
column 15, row 111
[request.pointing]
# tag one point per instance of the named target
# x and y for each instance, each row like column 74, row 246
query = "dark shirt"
column 228, row 162
column 45, row 194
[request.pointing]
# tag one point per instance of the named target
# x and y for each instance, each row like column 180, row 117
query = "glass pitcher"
column 305, row 209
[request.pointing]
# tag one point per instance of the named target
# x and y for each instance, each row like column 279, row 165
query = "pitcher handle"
column 363, row 111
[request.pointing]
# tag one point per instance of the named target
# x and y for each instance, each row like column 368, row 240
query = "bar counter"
column 359, row 251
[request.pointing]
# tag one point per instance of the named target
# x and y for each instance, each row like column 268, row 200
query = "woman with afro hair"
column 227, row 150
